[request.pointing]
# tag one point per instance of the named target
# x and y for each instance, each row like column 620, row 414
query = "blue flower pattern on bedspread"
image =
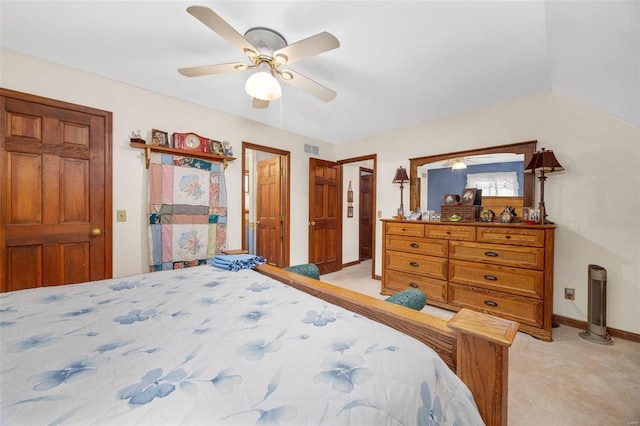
column 208, row 346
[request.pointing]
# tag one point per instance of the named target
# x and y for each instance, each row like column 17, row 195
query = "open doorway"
column 359, row 221
column 266, row 203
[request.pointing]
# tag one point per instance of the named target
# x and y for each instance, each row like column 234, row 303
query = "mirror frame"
column 527, row 148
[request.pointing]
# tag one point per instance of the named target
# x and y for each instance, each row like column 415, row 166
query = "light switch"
column 379, row 214
column 121, row 215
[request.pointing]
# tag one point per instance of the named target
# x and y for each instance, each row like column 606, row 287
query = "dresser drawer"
column 525, row 282
column 432, row 288
column 428, row 266
column 406, row 229
column 521, row 257
column 418, row 245
column 516, row 308
column 451, row 232
column 511, row 235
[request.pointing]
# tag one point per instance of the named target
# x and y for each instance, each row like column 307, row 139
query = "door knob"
column 95, row 232
column 312, row 224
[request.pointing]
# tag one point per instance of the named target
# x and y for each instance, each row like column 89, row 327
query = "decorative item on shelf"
column 216, row 147
column 451, row 199
column 487, row 215
column 464, row 212
column 543, row 162
column 349, row 201
column 136, row 137
column 508, row 214
column 191, row 142
column 160, row 138
column 429, row 215
column 401, row 177
column 227, row 148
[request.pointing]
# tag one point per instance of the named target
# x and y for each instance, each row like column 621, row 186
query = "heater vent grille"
column 311, row 149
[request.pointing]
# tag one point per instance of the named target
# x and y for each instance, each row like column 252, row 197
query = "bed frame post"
column 483, row 360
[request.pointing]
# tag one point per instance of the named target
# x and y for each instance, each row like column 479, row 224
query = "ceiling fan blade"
column 308, row 47
column 220, row 26
column 259, row 103
column 313, row 88
column 212, row 69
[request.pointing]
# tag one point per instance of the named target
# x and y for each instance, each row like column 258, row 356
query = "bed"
column 208, row 346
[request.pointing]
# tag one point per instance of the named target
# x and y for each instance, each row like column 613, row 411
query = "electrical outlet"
column 121, row 215
column 569, row 293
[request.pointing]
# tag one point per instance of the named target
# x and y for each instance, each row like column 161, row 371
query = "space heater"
column 597, row 317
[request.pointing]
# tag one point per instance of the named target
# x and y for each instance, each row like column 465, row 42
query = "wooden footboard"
column 474, row 345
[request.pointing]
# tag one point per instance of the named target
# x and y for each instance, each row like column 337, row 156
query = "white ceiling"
column 400, row 63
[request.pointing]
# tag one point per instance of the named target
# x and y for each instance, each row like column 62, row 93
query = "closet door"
column 55, row 192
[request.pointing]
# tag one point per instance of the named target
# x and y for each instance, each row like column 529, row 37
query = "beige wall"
column 595, row 201
column 133, row 109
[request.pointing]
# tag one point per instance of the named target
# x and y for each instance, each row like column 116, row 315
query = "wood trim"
column 286, row 196
column 527, row 148
column 472, row 344
column 346, row 265
column 374, row 222
column 582, row 325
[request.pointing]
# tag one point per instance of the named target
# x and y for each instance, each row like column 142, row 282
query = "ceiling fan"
column 267, row 50
column 459, row 163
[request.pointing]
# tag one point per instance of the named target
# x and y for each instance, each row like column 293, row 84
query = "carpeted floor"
column 569, row 381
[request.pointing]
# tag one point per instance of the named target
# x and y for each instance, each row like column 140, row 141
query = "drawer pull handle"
column 414, row 285
column 414, row 264
column 507, row 236
column 491, row 277
column 448, row 232
column 414, row 245
column 491, row 253
column 490, row 303
column 404, row 229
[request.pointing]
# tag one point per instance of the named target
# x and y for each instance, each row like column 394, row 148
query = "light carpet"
column 569, row 381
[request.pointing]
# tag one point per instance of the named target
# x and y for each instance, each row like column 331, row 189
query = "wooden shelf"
column 148, row 149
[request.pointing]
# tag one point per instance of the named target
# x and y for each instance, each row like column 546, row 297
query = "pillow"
column 411, row 298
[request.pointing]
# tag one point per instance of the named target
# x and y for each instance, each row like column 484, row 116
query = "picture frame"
column 450, row 199
column 160, row 138
column 215, row 147
column 534, row 216
column 468, row 197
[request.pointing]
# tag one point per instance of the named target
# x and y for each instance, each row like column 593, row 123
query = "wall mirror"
column 494, row 159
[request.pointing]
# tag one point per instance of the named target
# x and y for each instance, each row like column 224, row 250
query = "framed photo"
column 534, row 216
column 469, row 196
column 450, row 199
column 215, row 147
column 160, row 138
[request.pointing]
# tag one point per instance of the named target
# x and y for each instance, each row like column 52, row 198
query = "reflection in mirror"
column 498, row 171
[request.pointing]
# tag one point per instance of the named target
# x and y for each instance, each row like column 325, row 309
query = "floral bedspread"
column 207, row 346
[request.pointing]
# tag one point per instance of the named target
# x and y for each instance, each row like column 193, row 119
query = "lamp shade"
column 543, row 161
column 401, row 175
column 264, row 86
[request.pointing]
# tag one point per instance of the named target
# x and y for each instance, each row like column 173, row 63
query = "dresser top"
column 520, row 225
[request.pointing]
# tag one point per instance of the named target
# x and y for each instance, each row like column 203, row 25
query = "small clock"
column 190, row 141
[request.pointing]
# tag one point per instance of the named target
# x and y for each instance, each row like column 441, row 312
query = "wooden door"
column 325, row 225
column 55, row 192
column 365, row 205
column 269, row 211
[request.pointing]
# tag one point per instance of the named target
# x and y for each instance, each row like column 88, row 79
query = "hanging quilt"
column 187, row 211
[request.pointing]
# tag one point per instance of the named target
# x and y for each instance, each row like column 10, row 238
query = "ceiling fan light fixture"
column 281, row 59
column 286, row 75
column 459, row 166
column 264, row 86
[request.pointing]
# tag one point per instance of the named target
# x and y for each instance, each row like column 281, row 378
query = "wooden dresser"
column 501, row 269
